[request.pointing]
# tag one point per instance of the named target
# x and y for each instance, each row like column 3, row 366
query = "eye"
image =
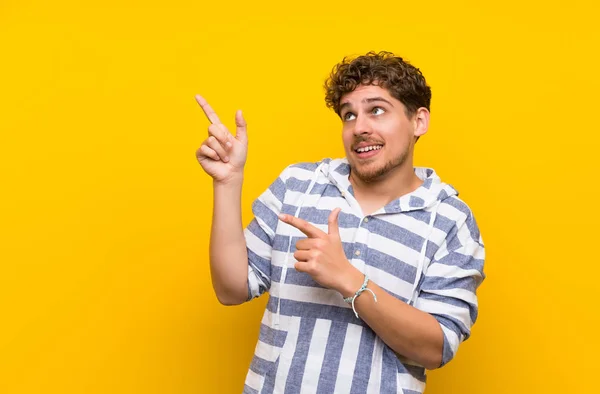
column 377, row 111
column 348, row 116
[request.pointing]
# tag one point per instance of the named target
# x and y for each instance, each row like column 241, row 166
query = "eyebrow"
column 367, row 100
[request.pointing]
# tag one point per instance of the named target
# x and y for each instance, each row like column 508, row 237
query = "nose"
column 362, row 125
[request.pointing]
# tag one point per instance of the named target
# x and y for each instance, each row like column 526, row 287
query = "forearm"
column 410, row 332
column 228, row 254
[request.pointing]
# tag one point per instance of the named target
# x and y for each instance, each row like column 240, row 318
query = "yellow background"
column 105, row 213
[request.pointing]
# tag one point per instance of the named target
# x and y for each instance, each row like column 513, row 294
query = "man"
column 372, row 265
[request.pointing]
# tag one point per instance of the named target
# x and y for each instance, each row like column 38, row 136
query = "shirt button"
column 357, row 253
column 366, row 220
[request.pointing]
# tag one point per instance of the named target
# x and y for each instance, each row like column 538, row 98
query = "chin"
column 370, row 172
column 373, row 171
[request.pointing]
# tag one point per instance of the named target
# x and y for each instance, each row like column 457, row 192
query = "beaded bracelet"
column 350, row 300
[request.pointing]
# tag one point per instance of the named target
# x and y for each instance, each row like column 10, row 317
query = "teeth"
column 368, row 148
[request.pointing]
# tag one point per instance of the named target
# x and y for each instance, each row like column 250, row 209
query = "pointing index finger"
column 208, row 111
column 302, row 225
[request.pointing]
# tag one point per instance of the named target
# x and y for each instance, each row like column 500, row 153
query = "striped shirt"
column 423, row 248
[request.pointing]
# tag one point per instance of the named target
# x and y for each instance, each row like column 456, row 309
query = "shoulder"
column 458, row 211
column 302, row 171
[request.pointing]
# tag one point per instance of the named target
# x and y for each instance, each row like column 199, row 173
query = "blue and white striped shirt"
column 423, row 248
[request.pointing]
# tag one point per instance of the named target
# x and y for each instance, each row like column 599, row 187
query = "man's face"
column 378, row 136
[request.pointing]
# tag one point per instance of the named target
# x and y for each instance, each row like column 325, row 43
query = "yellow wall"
column 105, row 213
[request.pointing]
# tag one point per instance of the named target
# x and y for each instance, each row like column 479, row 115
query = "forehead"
column 366, row 91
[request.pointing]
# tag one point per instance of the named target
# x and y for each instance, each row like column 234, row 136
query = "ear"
column 421, row 121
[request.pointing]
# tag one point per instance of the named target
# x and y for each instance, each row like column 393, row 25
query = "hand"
column 221, row 155
column 322, row 256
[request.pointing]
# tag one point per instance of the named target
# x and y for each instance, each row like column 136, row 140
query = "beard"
column 372, row 172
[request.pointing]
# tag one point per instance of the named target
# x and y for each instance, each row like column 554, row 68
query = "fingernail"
column 229, row 144
column 282, row 216
column 226, row 158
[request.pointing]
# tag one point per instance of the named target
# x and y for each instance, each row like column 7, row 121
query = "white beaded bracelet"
column 350, row 300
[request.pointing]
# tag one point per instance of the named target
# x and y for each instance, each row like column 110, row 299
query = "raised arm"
column 223, row 156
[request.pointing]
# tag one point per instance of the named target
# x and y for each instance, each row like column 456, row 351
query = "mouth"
column 366, row 152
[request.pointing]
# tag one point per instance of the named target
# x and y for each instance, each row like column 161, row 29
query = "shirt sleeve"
column 448, row 289
column 260, row 235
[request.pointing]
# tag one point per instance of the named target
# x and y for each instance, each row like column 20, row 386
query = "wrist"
column 352, row 283
column 234, row 180
column 364, row 287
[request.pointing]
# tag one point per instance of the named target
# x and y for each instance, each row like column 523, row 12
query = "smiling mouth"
column 368, row 151
column 368, row 148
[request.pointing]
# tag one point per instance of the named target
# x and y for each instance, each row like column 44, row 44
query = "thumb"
column 240, row 131
column 333, row 222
